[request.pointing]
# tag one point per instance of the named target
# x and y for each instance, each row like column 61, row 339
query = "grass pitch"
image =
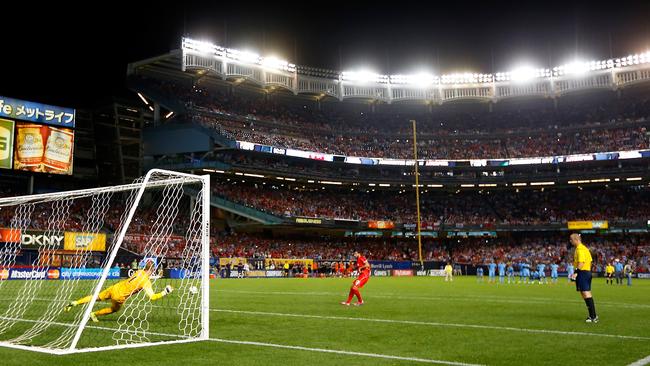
column 405, row 321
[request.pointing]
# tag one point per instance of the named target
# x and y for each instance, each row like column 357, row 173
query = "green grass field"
column 417, row 320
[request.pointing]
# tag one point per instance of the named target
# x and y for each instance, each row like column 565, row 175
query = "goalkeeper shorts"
column 110, row 294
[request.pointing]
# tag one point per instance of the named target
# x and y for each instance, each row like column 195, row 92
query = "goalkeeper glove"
column 168, row 290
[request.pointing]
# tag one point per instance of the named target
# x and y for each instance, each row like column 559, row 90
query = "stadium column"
column 156, row 114
column 417, row 192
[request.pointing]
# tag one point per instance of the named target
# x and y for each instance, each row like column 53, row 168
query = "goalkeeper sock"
column 83, row 300
column 104, row 311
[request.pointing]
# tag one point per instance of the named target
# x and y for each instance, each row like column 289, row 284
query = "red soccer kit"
column 364, row 274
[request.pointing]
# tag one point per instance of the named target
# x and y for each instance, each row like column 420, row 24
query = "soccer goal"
column 106, row 268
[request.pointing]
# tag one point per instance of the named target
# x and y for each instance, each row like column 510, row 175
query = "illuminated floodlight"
column 243, row 56
column 276, row 63
column 199, row 46
column 204, row 47
column 422, row 79
column 364, row 76
column 466, row 78
column 248, row 56
column 576, row 67
column 523, row 73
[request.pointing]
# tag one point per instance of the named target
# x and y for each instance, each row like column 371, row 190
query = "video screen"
column 43, row 149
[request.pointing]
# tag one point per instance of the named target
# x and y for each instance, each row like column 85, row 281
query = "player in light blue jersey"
column 492, row 268
column 618, row 271
column 525, row 270
column 534, row 276
column 541, row 268
column 570, row 271
column 511, row 273
column 479, row 274
column 554, row 267
column 502, row 271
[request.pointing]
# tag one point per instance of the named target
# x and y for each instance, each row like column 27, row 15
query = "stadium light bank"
column 522, row 74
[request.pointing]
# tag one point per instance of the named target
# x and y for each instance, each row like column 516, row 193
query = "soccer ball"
column 194, row 290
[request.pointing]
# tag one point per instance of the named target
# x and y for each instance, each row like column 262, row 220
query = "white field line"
column 273, row 345
column 641, row 362
column 434, row 324
column 340, row 352
column 438, row 298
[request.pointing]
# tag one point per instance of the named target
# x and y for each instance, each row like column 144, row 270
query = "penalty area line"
column 641, row 362
column 342, row 352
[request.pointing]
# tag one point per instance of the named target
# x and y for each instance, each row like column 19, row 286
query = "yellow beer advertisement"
column 45, row 149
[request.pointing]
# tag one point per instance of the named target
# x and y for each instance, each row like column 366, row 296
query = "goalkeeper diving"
column 121, row 291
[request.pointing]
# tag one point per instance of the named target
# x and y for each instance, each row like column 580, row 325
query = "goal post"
column 61, row 253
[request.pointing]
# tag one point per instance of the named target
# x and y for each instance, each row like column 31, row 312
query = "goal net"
column 134, row 258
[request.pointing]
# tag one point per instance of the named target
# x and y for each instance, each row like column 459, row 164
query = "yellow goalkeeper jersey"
column 131, row 286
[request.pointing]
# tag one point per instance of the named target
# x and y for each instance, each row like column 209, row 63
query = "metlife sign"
column 37, row 112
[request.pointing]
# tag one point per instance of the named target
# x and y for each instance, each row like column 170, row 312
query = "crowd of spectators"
column 447, row 132
column 525, row 207
column 382, row 146
column 533, row 249
column 614, row 204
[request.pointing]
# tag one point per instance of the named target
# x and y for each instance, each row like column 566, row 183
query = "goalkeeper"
column 121, row 291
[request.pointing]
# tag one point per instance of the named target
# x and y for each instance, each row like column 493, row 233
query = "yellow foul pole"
column 417, row 190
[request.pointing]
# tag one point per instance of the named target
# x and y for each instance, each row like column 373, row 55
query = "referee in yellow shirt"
column 609, row 274
column 582, row 264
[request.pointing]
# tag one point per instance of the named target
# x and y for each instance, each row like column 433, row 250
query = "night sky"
column 77, row 57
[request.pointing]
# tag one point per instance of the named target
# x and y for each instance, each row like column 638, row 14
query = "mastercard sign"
column 4, row 274
column 53, row 274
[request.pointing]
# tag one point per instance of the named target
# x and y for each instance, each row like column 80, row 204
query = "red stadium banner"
column 402, row 272
column 381, row 224
column 9, row 235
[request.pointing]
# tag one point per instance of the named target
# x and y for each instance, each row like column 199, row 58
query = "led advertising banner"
column 579, row 225
column 6, row 143
column 373, row 224
column 615, row 155
column 43, row 149
column 37, row 112
column 86, row 241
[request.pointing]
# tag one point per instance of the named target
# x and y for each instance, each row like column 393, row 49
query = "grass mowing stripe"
column 437, row 298
column 341, row 352
column 436, row 324
column 273, row 345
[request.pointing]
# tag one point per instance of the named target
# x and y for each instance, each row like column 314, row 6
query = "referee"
column 582, row 263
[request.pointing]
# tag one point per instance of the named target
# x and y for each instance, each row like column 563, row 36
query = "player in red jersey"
column 364, row 274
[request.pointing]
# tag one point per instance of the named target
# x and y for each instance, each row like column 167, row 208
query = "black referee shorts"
column 583, row 281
